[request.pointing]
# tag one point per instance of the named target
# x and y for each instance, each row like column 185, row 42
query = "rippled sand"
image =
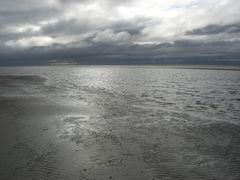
column 119, row 123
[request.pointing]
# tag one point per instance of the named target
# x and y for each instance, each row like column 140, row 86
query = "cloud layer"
column 119, row 32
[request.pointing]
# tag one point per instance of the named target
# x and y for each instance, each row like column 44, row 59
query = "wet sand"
column 44, row 138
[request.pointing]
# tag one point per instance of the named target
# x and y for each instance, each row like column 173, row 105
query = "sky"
column 119, row 32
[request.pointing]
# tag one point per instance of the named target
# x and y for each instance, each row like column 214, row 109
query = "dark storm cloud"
column 119, row 32
column 216, row 29
column 181, row 52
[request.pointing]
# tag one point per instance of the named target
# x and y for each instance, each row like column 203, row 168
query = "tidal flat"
column 117, row 122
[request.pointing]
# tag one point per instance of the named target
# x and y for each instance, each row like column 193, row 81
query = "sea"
column 145, row 122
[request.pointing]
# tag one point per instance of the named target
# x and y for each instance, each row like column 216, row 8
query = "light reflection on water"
column 179, row 123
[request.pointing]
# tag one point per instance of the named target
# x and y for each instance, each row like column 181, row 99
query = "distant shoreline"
column 176, row 66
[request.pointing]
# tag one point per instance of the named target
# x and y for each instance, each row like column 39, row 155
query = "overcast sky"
column 119, row 31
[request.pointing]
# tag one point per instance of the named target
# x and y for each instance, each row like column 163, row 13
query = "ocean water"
column 143, row 122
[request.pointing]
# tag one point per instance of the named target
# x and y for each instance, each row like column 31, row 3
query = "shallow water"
column 124, row 122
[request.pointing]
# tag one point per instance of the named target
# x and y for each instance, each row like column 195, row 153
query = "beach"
column 119, row 123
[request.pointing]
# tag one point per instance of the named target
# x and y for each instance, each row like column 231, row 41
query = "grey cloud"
column 19, row 4
column 68, row 27
column 133, row 27
column 109, row 35
column 216, row 29
column 105, row 2
column 4, row 36
column 22, row 16
column 83, row 25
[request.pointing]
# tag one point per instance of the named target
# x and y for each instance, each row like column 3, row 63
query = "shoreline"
column 196, row 67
